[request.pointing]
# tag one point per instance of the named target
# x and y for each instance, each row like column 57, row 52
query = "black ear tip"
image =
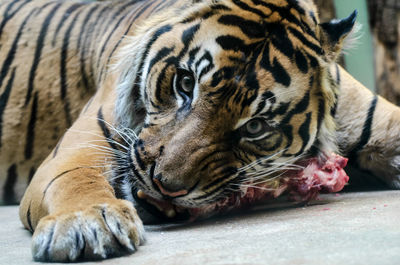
column 353, row 17
column 348, row 23
column 336, row 29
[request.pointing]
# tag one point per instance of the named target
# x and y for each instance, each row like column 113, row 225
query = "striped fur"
column 98, row 88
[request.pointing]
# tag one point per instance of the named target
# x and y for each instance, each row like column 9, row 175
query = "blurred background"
column 375, row 60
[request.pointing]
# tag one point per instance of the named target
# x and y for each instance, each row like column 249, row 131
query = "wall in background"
column 385, row 23
column 359, row 60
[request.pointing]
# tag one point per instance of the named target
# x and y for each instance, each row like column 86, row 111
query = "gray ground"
column 349, row 228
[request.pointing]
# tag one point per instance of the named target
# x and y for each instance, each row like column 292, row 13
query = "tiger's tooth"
column 141, row 194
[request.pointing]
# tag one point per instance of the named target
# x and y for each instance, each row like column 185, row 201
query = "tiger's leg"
column 71, row 207
column 368, row 129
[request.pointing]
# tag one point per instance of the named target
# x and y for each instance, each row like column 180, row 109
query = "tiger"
column 119, row 113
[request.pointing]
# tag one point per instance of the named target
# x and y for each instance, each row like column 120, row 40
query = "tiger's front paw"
column 98, row 232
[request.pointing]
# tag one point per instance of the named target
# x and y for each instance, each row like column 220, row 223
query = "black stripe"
column 334, row 108
column 137, row 156
column 38, row 51
column 192, row 55
column 300, row 36
column 207, row 14
column 28, row 218
column 4, row 100
column 7, row 16
column 287, row 129
column 143, row 9
column 273, row 147
column 31, row 174
column 57, row 147
column 229, row 42
column 85, row 23
column 8, row 8
column 57, row 177
column 159, row 32
column 280, row 39
column 286, row 13
column 120, row 10
column 246, row 7
column 9, row 185
column 92, row 37
column 301, row 61
column 63, row 70
column 210, row 158
column 215, row 192
column 161, row 79
column 281, row 109
column 67, row 112
column 225, row 73
column 250, row 28
column 300, row 107
column 188, row 35
column 132, row 21
column 82, row 50
column 133, row 168
column 64, row 57
column 321, row 112
column 119, row 42
column 275, row 68
column 338, row 78
column 206, row 57
column 366, row 132
column 163, row 5
column 186, row 38
column 30, row 136
column 225, row 174
column 12, row 52
column 312, row 60
column 104, row 129
column 64, row 17
column 164, row 52
column 266, row 96
column 304, row 132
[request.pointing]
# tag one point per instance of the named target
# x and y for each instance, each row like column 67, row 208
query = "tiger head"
column 224, row 94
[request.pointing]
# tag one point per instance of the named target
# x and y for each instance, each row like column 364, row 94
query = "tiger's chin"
column 305, row 184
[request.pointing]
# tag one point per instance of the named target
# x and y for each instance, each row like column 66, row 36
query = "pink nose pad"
column 169, row 193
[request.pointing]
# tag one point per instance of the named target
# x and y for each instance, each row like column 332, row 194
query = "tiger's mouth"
column 301, row 185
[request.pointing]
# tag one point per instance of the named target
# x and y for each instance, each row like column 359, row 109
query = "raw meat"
column 302, row 185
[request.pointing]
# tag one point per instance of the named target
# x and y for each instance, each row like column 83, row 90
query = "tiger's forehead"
column 264, row 11
column 258, row 49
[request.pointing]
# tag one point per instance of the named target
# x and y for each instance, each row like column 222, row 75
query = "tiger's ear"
column 334, row 33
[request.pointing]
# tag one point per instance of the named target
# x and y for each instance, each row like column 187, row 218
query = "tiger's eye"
column 254, row 128
column 187, row 84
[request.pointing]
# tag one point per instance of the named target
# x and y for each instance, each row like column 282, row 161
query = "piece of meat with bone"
column 316, row 176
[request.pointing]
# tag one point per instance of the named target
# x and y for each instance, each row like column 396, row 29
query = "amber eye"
column 254, row 128
column 185, row 82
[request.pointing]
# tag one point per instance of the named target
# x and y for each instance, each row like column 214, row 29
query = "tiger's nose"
column 157, row 180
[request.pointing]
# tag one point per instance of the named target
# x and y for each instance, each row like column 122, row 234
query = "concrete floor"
column 348, row 228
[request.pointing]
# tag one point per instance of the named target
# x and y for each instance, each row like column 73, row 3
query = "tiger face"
column 227, row 95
